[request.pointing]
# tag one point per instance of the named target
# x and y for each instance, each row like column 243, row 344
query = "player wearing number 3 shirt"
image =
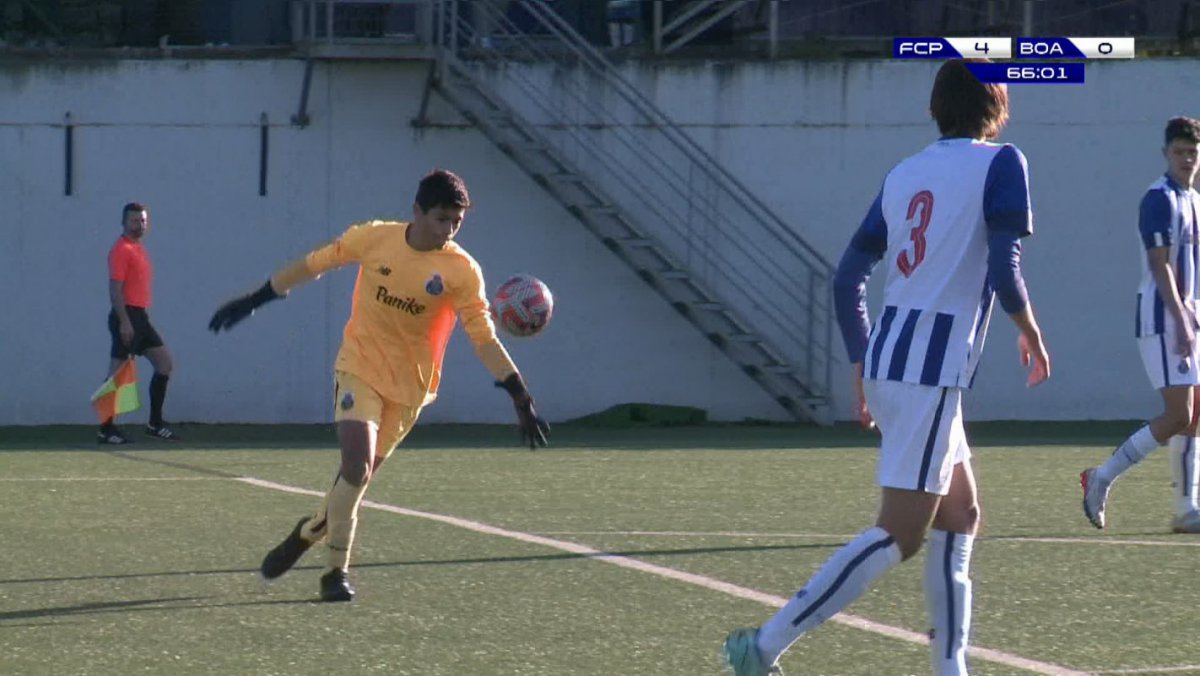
column 947, row 226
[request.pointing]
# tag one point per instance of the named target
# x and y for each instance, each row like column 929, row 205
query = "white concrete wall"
column 183, row 137
column 817, row 138
column 814, row 140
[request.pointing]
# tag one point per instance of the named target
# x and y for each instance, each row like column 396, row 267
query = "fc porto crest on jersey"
column 434, row 286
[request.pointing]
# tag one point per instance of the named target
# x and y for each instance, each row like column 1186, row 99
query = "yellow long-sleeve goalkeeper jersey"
column 404, row 308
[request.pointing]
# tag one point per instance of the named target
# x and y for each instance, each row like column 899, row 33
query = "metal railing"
column 330, row 21
column 745, row 27
column 563, row 86
column 698, row 16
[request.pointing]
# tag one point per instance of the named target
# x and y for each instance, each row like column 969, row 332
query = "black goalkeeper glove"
column 241, row 307
column 533, row 429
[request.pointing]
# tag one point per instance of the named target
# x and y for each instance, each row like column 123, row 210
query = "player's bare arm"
column 861, row 411
column 116, row 293
column 1030, row 346
column 1164, row 278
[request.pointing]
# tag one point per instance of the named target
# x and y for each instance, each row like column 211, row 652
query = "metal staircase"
column 689, row 20
column 654, row 197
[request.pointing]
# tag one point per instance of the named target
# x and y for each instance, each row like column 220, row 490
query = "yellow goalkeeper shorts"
column 353, row 399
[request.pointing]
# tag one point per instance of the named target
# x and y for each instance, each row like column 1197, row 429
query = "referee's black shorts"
column 144, row 335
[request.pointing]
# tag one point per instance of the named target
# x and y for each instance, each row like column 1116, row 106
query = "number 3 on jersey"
column 923, row 201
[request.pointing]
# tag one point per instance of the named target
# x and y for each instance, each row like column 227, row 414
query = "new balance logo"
column 385, row 270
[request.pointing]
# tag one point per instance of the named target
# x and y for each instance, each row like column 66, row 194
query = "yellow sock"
column 314, row 530
column 341, row 518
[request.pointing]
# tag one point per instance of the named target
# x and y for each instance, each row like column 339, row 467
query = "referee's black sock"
column 107, row 425
column 158, row 392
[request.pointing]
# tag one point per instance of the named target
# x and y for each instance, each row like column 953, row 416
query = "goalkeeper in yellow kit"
column 412, row 282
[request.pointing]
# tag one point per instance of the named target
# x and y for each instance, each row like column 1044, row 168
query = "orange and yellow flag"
column 118, row 394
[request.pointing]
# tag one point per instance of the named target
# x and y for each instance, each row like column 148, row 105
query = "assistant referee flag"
column 118, row 394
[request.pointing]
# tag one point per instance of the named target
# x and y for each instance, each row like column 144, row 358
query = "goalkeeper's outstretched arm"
column 342, row 251
column 277, row 286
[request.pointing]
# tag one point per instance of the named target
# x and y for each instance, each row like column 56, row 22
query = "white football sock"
column 1185, row 473
column 1131, row 452
column 948, row 600
column 844, row 577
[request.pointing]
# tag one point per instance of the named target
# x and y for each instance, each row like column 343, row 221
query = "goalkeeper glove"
column 533, row 428
column 241, row 307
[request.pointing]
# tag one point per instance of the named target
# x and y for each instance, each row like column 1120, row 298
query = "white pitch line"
column 1152, row 670
column 1102, row 541
column 848, row 537
column 690, row 533
column 682, row 576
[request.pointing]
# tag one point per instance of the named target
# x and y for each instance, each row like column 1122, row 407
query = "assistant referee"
column 129, row 280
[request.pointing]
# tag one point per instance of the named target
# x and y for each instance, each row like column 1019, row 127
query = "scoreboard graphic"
column 1012, row 59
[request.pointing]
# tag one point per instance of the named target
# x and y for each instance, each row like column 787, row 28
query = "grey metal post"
column 810, row 348
column 424, row 23
column 657, row 26
column 297, row 17
column 329, row 21
column 773, row 29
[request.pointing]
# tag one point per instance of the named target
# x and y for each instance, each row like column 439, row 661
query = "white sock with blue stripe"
column 948, row 600
column 1131, row 452
column 1185, row 473
column 845, row 576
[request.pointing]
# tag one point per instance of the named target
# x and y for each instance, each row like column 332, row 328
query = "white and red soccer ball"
column 522, row 306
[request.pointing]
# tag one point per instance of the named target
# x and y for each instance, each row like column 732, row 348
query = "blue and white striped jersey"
column 930, row 224
column 1167, row 217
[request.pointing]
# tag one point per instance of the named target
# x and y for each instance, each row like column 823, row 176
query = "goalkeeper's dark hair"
column 130, row 208
column 1185, row 128
column 442, row 188
column 965, row 107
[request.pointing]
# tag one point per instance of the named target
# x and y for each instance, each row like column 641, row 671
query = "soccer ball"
column 523, row 305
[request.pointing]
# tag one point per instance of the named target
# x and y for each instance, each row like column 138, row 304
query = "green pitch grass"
column 143, row 559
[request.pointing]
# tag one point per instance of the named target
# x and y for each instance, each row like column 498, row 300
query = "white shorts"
column 923, row 436
column 1163, row 366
